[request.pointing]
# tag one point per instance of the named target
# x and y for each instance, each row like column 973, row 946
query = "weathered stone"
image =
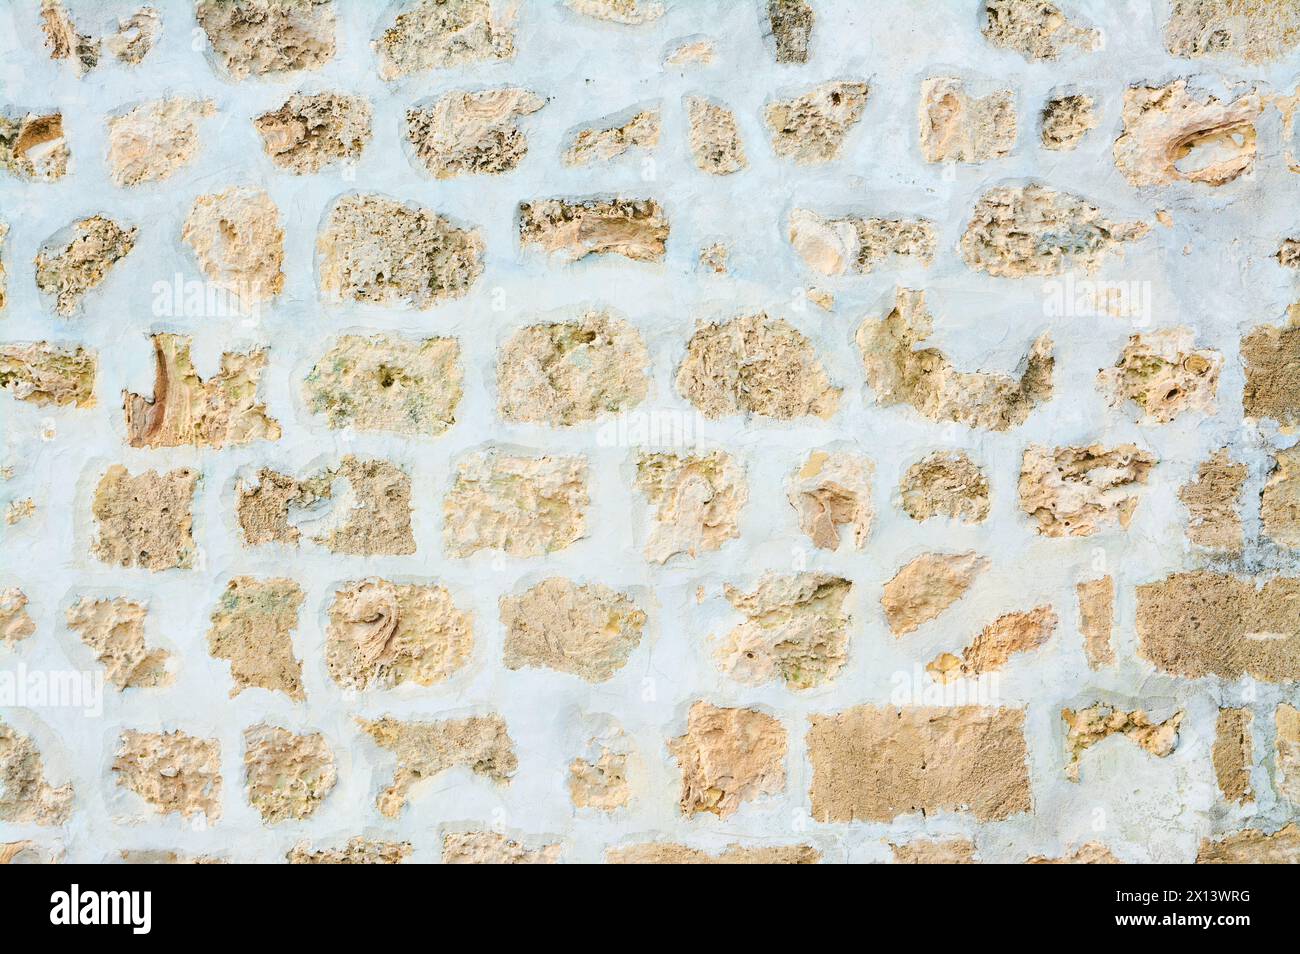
column 372, row 249
column 572, row 372
column 927, row 586
column 728, row 756
column 1076, row 491
column 599, row 779
column 63, row 40
column 796, row 630
column 956, row 127
column 135, row 36
column 310, row 132
column 252, row 628
column 426, row 749
column 442, row 34
column 900, row 373
column 1019, row 231
column 855, row 245
column 714, row 138
column 385, row 382
column 493, row 848
column 791, row 22
column 145, row 520
column 15, row 623
column 1202, row 623
column 588, row 630
column 23, row 852
column 697, row 501
column 20, row 510
column 923, row 851
column 383, row 634
column 34, row 147
column 46, row 373
column 612, row 137
column 1253, row 31
column 1171, row 135
column 810, row 129
column 4, row 275
column 163, row 856
column 68, row 270
column 268, row 37
column 1251, row 846
column 286, row 775
column 26, row 798
column 1288, row 253
column 472, row 133
column 172, row 771
column 714, row 258
column 1161, row 373
column 186, row 410
column 875, row 763
column 1036, row 29
column 670, row 853
column 1213, row 517
column 1232, row 755
column 1287, row 722
column 153, row 141
column 114, row 631
column 1065, row 120
column 832, row 489
column 628, row 12
column 1271, row 354
column 996, row 643
column 691, row 52
column 1087, row 727
column 238, row 242
column 525, row 506
column 1279, row 504
column 945, row 484
column 357, row 851
column 1090, row 853
column 573, row 229
column 1097, row 620
column 755, row 365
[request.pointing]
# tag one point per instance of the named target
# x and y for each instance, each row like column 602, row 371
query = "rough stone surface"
column 472, row 133
column 600, row 779
column 1251, row 846
column 357, row 851
column 34, row 147
column 15, row 622
column 1079, row 491
column 927, row 586
column 145, row 520
column 1097, row 620
column 1233, row 754
column 311, row 132
column 443, row 34
column 1086, row 727
column 573, row 229
column 949, row 851
column 252, row 628
column 286, row 776
column 588, row 630
column 665, row 853
column 1065, row 120
column 1287, row 757
column 791, row 22
column 493, row 848
column 173, row 772
column 135, row 36
column 810, row 129
column 1213, row 515
column 1270, row 354
column 945, row 484
column 26, row 797
column 63, row 40
column 832, row 490
column 1163, row 375
column 113, row 629
column 151, row 142
column 524, row 506
column 1252, row 31
column 612, row 137
column 238, row 242
column 957, row 127
column 728, row 757
column 1036, row 29
column 67, row 270
column 714, row 137
column 855, row 245
column 268, row 37
column 44, row 373
column 996, row 643
column 1279, row 504
column 696, row 499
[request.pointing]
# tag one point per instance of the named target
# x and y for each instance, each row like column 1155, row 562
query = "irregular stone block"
column 956, row 127
column 691, row 52
column 44, row 373
column 1087, row 727
column 588, row 630
column 993, row 648
column 69, row 269
column 1065, row 120
column 1213, row 518
column 810, row 129
column 1287, row 722
column 1270, row 354
column 1288, row 253
column 1252, row 31
column 1097, row 620
column 15, row 623
column 572, row 372
column 875, row 763
column 385, row 382
column 670, row 853
column 357, row 851
column 145, row 520
column 791, row 23
column 268, row 37
column 1279, row 504
column 114, row 632
column 1036, row 29
column 924, row 378
column 373, row 249
column 19, row 510
column 1232, row 755
column 1161, row 373
column 728, row 756
column 441, row 34
column 923, row 851
column 63, row 40
column 629, row 12
column 927, row 586
column 1076, row 491
column 599, row 778
column 26, row 798
column 714, row 138
column 947, row 484
column 492, row 848
column 153, row 141
column 1090, row 853
column 472, row 133
column 426, row 749
column 1251, row 846
column 252, row 628
column 697, row 501
column 612, row 137
column 311, row 132
column 854, row 245
column 34, row 147
column 573, row 229
column 286, row 775
column 135, row 36
column 382, row 634
column 525, row 506
column 833, row 490
column 172, row 771
column 238, row 242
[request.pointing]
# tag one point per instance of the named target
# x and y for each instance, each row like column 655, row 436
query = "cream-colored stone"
column 1163, row 375
column 145, row 520
column 697, row 501
column 691, row 53
column 714, row 258
column 996, row 643
column 524, row 506
column 472, row 133
column 791, row 23
column 151, row 142
column 357, row 851
column 1086, row 727
column 1089, row 853
column 171, row 771
column 1097, row 620
column 627, row 12
column 945, row 484
column 830, row 490
column 252, row 627
column 588, row 630
column 310, row 132
column 714, row 138
column 15, row 622
column 286, row 775
column 34, row 147
column 810, row 129
column 26, row 798
column 268, row 37
column 957, row 127
column 135, row 36
column 855, row 245
column 1036, row 29
column 1286, row 720
column 1077, row 491
column 1065, row 120
column 727, row 757
column 612, row 137
column 1233, row 755
column 1252, row 31
column 67, row 270
column 113, row 629
column 670, row 853
column 1212, row 502
column 571, row 229
column 44, row 373
column 1279, row 504
column 1251, row 846
column 444, row 34
column 600, row 778
column 927, row 586
column 238, row 242
column 925, row 851
column 494, row 848
column 1270, row 354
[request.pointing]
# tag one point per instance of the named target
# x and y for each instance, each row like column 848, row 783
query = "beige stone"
column 612, row 137
column 286, row 775
column 493, row 848
column 44, row 373
column 957, row 127
column 1287, row 722
column 145, row 520
column 4, row 275
column 172, row 771
column 524, row 506
column 714, row 138
column 1078, row 491
column 810, row 129
column 876, row 763
column 68, row 270
column 670, row 853
column 1065, row 120
column 1097, row 620
column 927, row 586
column 163, row 856
column 1251, row 846
column 1086, row 727
column 945, row 484
column 135, row 36
column 26, row 798
column 252, row 627
column 1171, row 135
column 755, row 365
column 63, row 40
column 238, row 242
column 186, row 410
column 791, row 23
column 690, row 53
column 830, row 490
column 472, row 133
column 600, row 778
column 1232, row 755
column 727, row 757
column 996, row 643
column 1036, row 29
column 443, row 34
column 22, row 852
column 714, row 258
column 373, row 249
column 1213, row 517
column 382, row 634
column 426, row 749
column 151, row 142
column 20, row 510
column 627, row 12
column 572, row 372
column 113, row 629
column 34, row 147
column 1202, row 623
column 1019, row 231
column 925, row 851
column 588, row 630
column 1270, row 354
column 573, row 229
column 1253, row 31
column 15, row 623
column 357, row 851
column 385, row 382
column 1279, row 504
column 1163, row 375
column 1090, row 853
column 697, row 501
column 855, row 245
column 311, row 132
column 900, row 373
column 796, row 630
column 268, row 37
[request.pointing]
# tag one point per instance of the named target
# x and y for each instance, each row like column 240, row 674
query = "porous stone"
column 714, row 138
column 925, row 851
column 26, row 797
column 945, row 484
column 382, row 634
column 855, row 245
column 996, row 643
column 1097, row 620
column 627, row 12
column 312, row 132
column 1287, row 757
column 45, row 373
column 600, row 778
column 1213, row 517
column 1078, row 491
column 494, row 848
column 67, row 270
column 113, row 629
column 426, row 749
column 34, row 147
column 286, row 775
column 174, row 772
column 588, row 630
column 4, row 275
column 900, row 373
column 927, row 586
column 1086, row 727
column 1251, row 31
column 671, row 853
column 728, row 757
column 1163, row 375
column 268, row 37
column 145, row 520
column 1288, row 253
column 472, row 133
column 252, row 628
column 697, row 501
column 15, row 622
column 135, row 36
column 1065, row 120
column 810, row 129
column 690, row 53
column 63, row 40
column 1271, row 354
column 830, row 490
column 714, row 258
column 612, row 137
column 957, row 127
column 1279, row 504
column 524, row 506
column 1232, row 755
column 1089, row 853
column 237, row 239
column 153, row 141
column 1036, row 29
column 1252, row 846
column 755, row 365
column 791, row 23
column 443, row 34
column 357, row 851
column 573, row 229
